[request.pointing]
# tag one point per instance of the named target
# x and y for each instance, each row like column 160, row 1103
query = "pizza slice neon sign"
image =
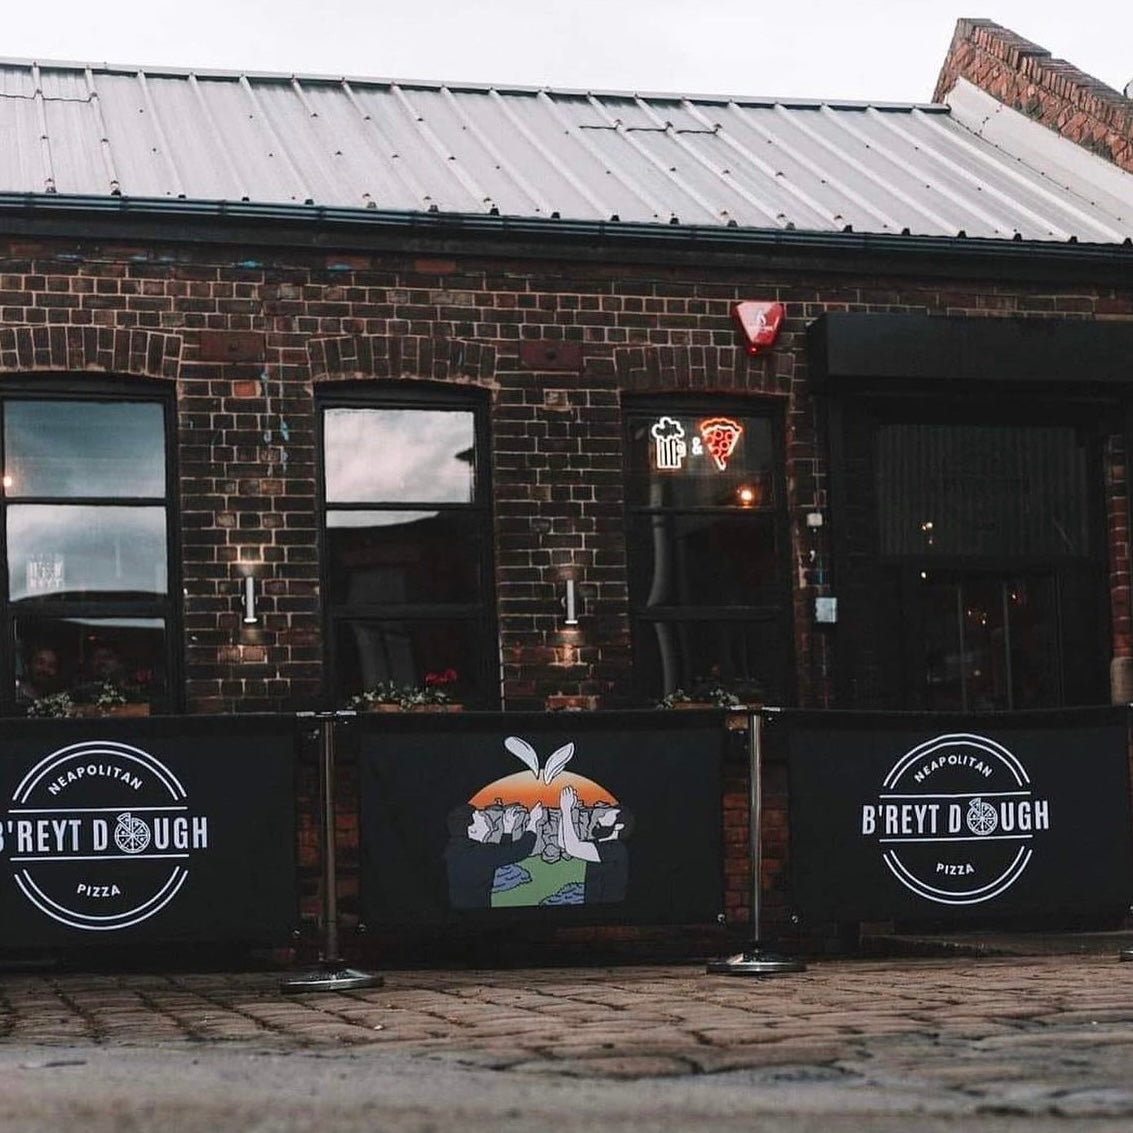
column 720, row 435
column 715, row 436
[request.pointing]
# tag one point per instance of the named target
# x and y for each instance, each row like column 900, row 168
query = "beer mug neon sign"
column 716, row 436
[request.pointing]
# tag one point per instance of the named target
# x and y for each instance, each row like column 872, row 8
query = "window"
column 86, row 532
column 706, row 530
column 985, row 642
column 986, row 534
column 407, row 541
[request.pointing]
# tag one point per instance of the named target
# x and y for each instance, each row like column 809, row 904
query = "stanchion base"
column 755, row 961
column 330, row 977
column 1126, row 954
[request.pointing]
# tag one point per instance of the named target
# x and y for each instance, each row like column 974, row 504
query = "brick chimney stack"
column 1024, row 76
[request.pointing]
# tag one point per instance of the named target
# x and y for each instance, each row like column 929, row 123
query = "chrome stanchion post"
column 755, row 959
column 1127, row 953
column 332, row 973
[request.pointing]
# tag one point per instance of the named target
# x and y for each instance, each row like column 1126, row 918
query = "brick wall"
column 246, row 341
column 1025, row 77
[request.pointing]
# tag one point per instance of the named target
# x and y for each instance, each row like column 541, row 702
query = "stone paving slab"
column 992, row 1043
column 559, row 1016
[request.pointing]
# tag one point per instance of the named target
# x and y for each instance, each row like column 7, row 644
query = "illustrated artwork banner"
column 156, row 831
column 940, row 819
column 556, row 817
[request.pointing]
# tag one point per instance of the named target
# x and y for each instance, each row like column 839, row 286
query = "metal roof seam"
column 668, row 173
column 717, row 170
column 998, row 222
column 1041, row 189
column 840, row 154
column 1038, row 189
column 540, row 202
column 44, row 138
column 316, row 131
column 400, row 170
column 778, row 220
column 301, row 95
column 1037, row 179
column 890, row 155
column 104, row 146
column 789, row 187
column 325, row 133
column 479, row 195
column 277, row 142
column 162, row 140
column 596, row 202
column 222, row 149
column 610, row 167
column 1020, row 138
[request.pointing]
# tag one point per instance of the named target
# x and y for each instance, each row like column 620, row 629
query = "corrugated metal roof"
column 664, row 159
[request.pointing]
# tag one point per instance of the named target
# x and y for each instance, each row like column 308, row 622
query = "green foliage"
column 714, row 695
column 53, row 706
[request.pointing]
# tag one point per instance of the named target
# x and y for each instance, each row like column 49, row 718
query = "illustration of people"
column 566, row 851
column 42, row 676
column 605, row 853
column 476, row 849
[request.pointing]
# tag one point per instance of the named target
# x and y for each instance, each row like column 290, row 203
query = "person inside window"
column 43, row 675
column 104, row 667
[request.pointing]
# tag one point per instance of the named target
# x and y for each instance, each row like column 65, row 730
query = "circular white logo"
column 99, row 835
column 956, row 819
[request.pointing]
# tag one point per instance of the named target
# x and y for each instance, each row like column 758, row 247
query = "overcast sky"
column 803, row 48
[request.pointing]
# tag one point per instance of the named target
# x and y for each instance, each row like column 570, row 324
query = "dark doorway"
column 979, row 642
column 971, row 558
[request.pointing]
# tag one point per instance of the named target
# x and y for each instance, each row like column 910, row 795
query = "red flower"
column 445, row 678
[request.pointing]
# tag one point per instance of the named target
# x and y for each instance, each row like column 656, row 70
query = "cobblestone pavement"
column 998, row 1043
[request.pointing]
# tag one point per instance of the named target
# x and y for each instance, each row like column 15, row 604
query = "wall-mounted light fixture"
column 570, row 604
column 250, row 617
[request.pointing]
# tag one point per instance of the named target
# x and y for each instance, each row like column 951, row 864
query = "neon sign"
column 715, row 436
column 720, row 436
column 669, row 444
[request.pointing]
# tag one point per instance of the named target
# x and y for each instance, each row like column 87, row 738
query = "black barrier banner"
column 157, row 830
column 930, row 818
column 610, row 818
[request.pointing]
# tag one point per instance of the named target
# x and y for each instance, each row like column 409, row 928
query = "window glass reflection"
column 395, row 557
column 83, row 552
column 84, row 448
column 990, row 642
column 742, row 656
column 82, row 656
column 372, row 652
column 707, row 559
column 993, row 490
column 399, row 455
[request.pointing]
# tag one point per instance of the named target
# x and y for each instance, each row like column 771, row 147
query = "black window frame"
column 1081, row 666
column 778, row 615
column 82, row 388
column 370, row 395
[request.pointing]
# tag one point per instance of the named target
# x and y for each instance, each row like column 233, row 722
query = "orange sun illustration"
column 527, row 789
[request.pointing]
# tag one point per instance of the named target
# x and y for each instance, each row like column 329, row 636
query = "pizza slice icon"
column 720, row 435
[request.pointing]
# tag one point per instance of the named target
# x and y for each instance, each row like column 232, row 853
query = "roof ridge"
column 157, row 70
